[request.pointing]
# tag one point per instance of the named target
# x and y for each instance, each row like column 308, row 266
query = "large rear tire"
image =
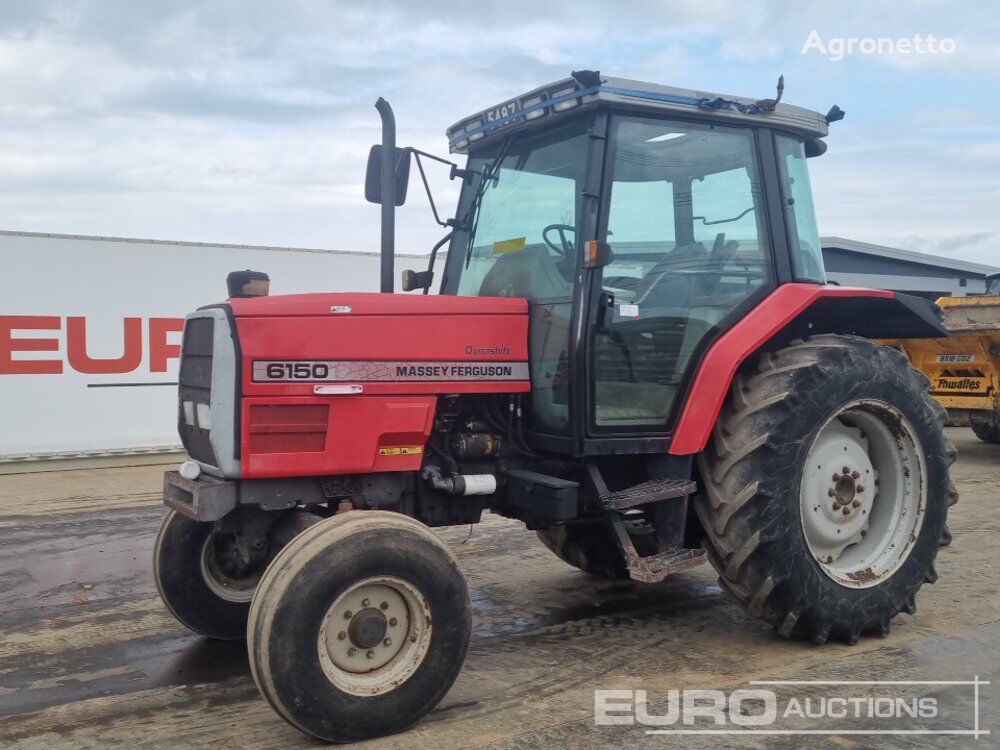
column 826, row 488
column 593, row 548
column 588, row 547
column 359, row 626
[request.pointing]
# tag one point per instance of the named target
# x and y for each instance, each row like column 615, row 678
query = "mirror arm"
column 427, row 188
column 430, row 263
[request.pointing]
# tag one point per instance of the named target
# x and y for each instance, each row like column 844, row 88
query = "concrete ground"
column 90, row 658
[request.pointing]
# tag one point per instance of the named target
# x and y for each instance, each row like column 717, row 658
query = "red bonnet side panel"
column 348, row 383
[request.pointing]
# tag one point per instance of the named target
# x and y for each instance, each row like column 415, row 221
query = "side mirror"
column 373, row 175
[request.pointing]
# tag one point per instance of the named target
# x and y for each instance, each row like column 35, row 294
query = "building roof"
column 910, row 256
column 144, row 241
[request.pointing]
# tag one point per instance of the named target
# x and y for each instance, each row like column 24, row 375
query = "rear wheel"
column 359, row 626
column 986, row 425
column 826, row 488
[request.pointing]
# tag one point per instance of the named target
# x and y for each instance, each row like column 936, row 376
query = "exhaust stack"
column 388, row 194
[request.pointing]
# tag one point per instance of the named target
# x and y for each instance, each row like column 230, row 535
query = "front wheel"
column 200, row 578
column 359, row 626
column 826, row 488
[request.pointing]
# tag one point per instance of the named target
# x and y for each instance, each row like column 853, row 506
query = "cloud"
column 249, row 121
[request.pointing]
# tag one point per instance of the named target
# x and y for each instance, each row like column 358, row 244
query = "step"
column 648, row 492
column 653, row 568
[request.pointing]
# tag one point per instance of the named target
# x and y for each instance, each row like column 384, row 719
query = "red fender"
column 715, row 373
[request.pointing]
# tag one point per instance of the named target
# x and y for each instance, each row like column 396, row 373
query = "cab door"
column 684, row 218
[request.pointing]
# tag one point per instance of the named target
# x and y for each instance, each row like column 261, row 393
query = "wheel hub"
column 374, row 635
column 862, row 493
column 367, row 628
column 835, row 499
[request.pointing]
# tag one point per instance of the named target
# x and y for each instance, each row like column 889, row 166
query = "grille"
column 195, row 390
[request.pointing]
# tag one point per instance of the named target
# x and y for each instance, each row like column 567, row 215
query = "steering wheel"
column 566, row 246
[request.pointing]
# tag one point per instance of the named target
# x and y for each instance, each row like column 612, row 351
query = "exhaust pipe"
column 388, row 194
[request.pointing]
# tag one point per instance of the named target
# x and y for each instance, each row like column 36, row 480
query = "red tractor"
column 634, row 352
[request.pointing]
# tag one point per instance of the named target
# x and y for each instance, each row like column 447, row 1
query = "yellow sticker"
column 509, row 246
column 403, row 450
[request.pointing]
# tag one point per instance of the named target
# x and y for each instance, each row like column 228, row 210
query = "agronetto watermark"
column 838, row 48
column 794, row 707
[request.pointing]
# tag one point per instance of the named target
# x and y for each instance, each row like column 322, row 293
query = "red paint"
column 79, row 360
column 375, row 303
column 9, row 344
column 160, row 349
column 354, row 429
column 288, row 428
column 715, row 374
column 389, row 414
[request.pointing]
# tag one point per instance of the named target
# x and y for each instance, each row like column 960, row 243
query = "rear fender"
column 794, row 311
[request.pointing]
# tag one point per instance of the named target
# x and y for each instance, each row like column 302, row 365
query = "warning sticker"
column 509, row 246
column 401, row 450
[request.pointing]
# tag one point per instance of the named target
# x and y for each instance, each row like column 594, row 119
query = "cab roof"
column 588, row 89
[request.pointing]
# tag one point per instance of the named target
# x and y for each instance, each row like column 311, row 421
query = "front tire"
column 793, row 543
column 359, row 626
column 192, row 582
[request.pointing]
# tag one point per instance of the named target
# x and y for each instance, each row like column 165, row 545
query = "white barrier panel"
column 90, row 330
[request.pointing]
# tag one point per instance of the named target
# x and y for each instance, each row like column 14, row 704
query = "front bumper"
column 203, row 499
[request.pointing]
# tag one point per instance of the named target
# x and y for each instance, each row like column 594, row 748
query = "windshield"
column 523, row 217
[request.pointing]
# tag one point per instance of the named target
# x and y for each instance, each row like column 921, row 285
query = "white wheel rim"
column 374, row 636
column 236, row 590
column 863, row 493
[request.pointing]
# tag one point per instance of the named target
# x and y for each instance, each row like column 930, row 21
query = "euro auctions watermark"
column 838, row 48
column 802, row 707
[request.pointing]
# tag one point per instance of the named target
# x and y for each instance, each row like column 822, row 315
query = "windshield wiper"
column 489, row 174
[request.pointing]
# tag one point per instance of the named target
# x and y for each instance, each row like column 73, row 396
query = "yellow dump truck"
column 964, row 368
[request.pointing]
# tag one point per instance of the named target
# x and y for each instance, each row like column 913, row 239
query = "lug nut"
column 348, row 615
column 856, row 503
column 365, row 603
column 393, row 622
column 847, row 470
column 847, row 511
column 341, row 635
column 855, row 474
column 830, row 492
column 836, row 506
column 370, row 654
column 859, row 488
column 836, row 477
column 352, row 651
column 387, row 642
column 384, row 605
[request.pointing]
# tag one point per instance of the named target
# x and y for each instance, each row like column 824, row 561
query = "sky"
column 249, row 122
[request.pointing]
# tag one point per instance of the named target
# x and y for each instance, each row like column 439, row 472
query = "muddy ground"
column 90, row 658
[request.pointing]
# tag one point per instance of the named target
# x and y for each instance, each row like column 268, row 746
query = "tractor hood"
column 381, row 343
column 373, row 303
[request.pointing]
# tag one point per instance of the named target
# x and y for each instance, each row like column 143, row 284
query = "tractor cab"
column 639, row 221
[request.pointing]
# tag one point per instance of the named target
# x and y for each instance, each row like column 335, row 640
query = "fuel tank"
column 348, row 382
